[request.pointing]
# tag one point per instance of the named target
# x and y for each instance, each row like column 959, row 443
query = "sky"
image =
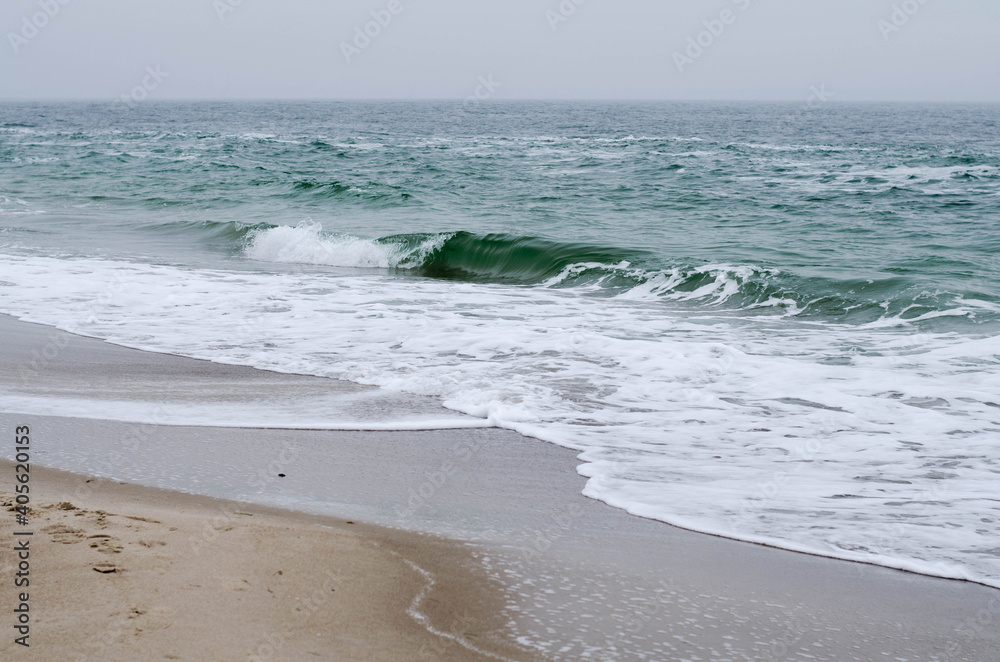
column 846, row 50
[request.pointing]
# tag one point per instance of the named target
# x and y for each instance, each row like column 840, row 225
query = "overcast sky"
column 933, row 50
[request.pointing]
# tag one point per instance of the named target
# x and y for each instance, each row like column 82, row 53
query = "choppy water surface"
column 770, row 322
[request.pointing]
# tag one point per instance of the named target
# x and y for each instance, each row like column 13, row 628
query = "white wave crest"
column 306, row 243
column 723, row 283
column 727, row 424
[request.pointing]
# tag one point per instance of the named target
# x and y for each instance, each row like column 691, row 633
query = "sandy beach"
column 128, row 573
column 459, row 540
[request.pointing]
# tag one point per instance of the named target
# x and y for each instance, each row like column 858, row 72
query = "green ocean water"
column 863, row 209
column 700, row 297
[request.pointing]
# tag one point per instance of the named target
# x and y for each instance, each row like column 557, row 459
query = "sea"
column 774, row 322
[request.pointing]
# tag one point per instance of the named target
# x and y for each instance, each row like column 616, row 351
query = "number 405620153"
column 22, row 446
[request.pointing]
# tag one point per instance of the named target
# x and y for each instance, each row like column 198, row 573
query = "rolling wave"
column 618, row 272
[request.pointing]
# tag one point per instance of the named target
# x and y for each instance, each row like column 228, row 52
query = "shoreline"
column 582, row 577
column 131, row 572
column 228, row 384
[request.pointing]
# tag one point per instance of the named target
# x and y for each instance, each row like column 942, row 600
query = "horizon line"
column 112, row 100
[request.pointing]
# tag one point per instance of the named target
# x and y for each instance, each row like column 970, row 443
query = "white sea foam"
column 867, row 443
column 16, row 207
column 269, row 414
column 306, row 243
column 722, row 284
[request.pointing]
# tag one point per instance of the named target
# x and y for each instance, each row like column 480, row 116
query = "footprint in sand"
column 105, row 544
column 66, row 535
column 155, row 618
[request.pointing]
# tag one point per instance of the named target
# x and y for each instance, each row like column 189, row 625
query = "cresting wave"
column 779, row 329
column 865, row 443
column 611, row 271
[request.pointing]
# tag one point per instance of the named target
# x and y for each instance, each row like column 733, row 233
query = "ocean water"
column 772, row 322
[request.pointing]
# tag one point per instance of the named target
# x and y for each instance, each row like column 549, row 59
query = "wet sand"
column 123, row 572
column 574, row 579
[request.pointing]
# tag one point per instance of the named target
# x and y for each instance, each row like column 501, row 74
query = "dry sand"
column 137, row 573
